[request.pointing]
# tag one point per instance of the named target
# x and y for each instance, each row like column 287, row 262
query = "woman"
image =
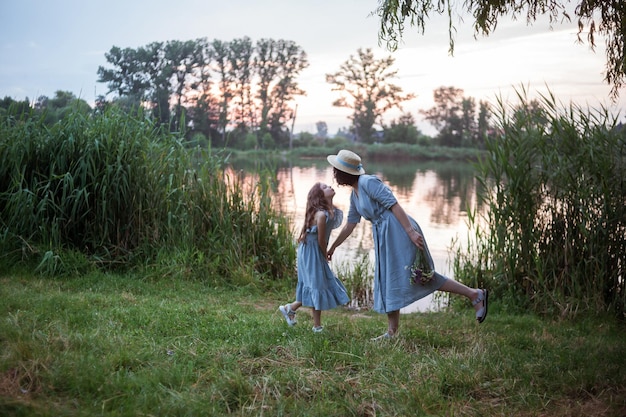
column 397, row 238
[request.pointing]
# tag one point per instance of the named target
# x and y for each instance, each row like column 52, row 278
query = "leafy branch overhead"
column 596, row 17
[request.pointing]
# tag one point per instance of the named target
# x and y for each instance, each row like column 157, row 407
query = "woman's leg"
column 456, row 287
column 393, row 322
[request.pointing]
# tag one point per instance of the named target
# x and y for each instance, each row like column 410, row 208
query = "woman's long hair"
column 315, row 202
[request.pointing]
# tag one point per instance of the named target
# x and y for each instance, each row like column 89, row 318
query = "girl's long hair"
column 315, row 202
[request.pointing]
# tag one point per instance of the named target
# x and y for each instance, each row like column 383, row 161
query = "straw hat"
column 347, row 161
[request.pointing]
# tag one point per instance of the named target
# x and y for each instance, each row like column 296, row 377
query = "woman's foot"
column 387, row 335
column 480, row 304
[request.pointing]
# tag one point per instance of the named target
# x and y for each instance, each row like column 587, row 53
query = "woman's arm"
column 402, row 217
column 343, row 235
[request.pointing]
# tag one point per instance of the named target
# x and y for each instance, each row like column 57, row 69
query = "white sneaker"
column 289, row 314
column 317, row 329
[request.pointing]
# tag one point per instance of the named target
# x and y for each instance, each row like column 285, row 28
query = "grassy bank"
column 113, row 345
column 369, row 152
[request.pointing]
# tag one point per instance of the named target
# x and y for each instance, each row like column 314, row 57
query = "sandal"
column 483, row 297
column 288, row 314
column 384, row 336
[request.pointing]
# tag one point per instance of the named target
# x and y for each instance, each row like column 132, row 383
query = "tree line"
column 242, row 94
column 210, row 87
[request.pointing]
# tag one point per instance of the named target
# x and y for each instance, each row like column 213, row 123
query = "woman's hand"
column 345, row 232
column 416, row 238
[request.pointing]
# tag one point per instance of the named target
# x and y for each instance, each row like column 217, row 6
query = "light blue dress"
column 318, row 286
column 394, row 251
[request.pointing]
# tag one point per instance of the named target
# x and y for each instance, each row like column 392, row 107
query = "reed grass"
column 358, row 278
column 125, row 193
column 554, row 237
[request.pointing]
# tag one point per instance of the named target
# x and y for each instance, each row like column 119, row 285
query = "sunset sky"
column 47, row 46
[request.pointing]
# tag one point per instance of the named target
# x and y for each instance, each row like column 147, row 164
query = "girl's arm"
column 345, row 232
column 402, row 217
column 320, row 220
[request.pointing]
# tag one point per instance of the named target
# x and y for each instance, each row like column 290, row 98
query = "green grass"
column 124, row 345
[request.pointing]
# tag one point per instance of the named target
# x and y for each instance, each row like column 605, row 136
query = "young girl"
column 318, row 287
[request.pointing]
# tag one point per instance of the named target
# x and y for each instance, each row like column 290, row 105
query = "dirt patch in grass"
column 609, row 403
column 18, row 384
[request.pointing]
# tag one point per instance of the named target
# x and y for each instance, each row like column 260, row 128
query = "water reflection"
column 437, row 195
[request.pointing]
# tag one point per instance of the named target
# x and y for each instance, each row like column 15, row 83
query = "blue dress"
column 394, row 251
column 318, row 286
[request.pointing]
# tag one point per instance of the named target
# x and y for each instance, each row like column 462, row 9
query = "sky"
column 50, row 45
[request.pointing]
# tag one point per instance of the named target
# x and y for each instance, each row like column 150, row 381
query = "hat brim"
column 332, row 159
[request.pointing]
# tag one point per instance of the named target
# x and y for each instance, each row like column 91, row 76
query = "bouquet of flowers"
column 421, row 272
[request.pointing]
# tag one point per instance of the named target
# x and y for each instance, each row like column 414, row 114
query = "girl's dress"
column 318, row 286
column 394, row 251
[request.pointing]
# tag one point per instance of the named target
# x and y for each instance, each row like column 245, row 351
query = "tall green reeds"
column 358, row 278
column 123, row 192
column 554, row 237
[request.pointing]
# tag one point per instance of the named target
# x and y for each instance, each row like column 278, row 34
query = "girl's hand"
column 329, row 254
